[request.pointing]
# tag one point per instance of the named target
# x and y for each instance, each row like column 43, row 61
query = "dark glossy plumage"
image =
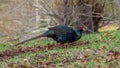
column 61, row 34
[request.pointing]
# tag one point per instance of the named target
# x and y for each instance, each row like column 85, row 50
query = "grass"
column 93, row 54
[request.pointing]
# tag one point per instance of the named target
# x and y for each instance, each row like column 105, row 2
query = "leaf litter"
column 111, row 57
column 10, row 53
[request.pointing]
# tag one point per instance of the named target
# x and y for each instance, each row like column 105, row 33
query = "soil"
column 10, row 53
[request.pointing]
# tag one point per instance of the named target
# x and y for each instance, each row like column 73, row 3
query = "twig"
column 13, row 9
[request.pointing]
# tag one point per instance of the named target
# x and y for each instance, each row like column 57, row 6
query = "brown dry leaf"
column 69, row 66
column 105, row 34
column 88, row 50
column 86, row 55
column 23, row 66
column 104, row 47
column 114, row 54
column 50, row 58
column 97, row 59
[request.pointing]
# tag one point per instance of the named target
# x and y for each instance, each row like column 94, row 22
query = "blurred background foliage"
column 21, row 19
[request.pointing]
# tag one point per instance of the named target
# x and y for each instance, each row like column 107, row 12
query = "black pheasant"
column 61, row 34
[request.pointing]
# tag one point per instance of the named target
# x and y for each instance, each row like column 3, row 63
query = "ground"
column 100, row 50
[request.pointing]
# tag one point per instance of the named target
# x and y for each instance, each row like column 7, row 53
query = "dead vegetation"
column 20, row 50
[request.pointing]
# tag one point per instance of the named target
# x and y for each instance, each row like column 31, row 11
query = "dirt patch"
column 10, row 53
column 22, row 64
column 80, row 57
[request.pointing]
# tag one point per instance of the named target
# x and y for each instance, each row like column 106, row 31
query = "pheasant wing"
column 60, row 29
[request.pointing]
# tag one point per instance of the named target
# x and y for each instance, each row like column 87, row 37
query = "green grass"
column 101, row 42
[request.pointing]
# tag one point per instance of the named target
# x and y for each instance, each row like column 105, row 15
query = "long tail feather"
column 29, row 39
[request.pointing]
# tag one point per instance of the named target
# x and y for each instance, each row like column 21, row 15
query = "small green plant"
column 93, row 50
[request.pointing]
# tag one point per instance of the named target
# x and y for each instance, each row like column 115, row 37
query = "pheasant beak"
column 84, row 29
column 81, row 28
